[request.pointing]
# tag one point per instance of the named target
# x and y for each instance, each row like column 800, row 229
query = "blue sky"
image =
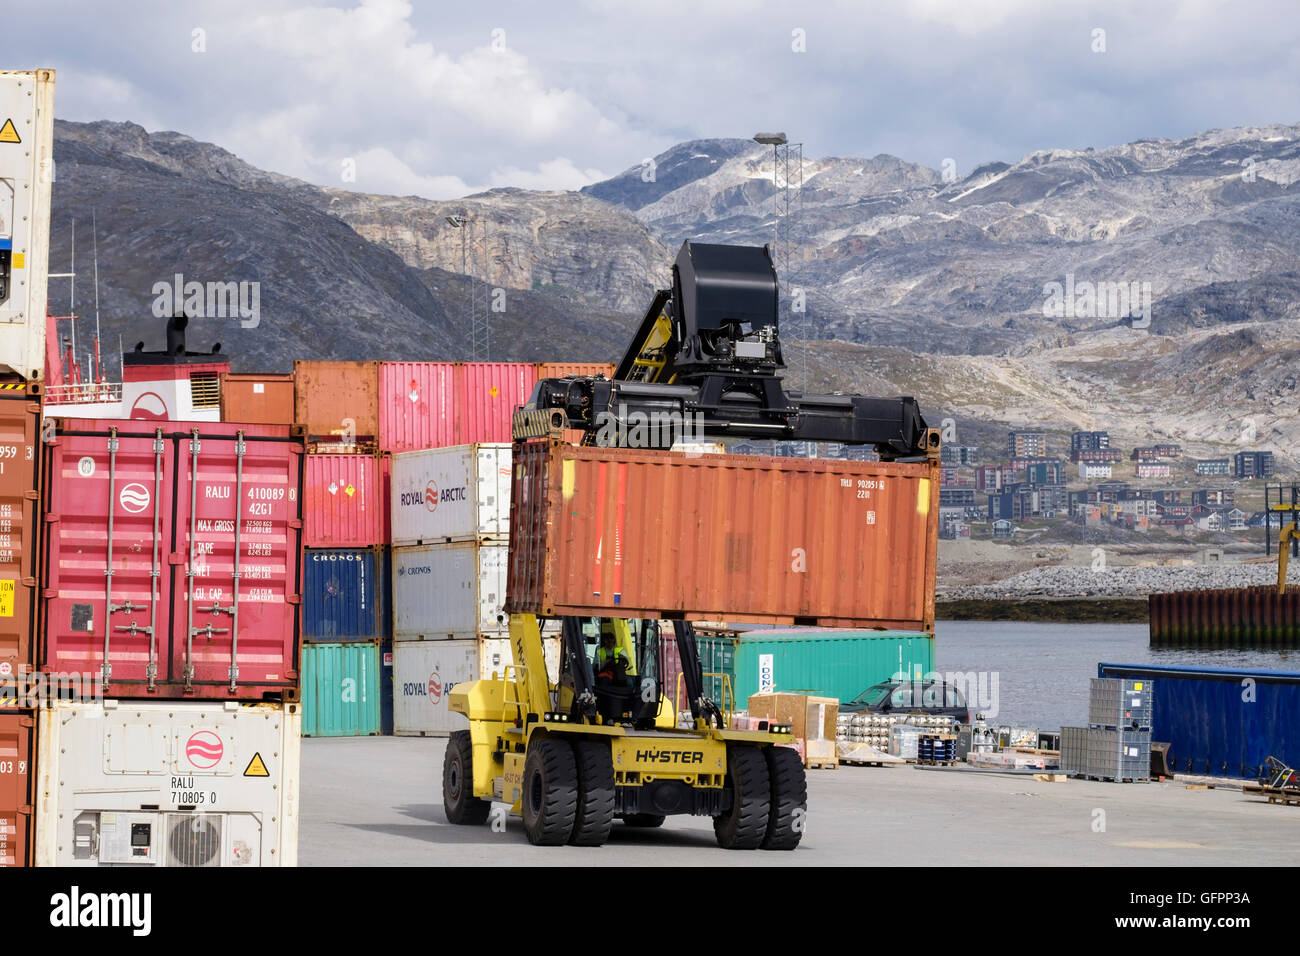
column 440, row 99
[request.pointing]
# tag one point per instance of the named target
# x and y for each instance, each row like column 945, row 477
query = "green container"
column 340, row 690
column 827, row 663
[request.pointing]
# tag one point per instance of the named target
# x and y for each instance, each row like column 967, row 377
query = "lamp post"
column 776, row 141
column 461, row 222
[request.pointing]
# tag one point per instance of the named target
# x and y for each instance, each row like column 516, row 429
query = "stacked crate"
column 347, row 618
column 1119, row 729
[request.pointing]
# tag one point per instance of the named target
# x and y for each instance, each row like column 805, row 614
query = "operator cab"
column 618, row 663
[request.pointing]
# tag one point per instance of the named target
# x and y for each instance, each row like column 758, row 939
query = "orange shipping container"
column 17, row 731
column 20, row 419
column 561, row 369
column 600, row 531
column 257, row 399
column 338, row 403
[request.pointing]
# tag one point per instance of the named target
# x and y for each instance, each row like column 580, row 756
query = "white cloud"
column 557, row 173
column 427, row 99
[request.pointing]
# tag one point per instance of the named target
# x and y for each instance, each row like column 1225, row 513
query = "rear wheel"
column 595, row 814
column 644, row 820
column 458, row 800
column 744, row 826
column 550, row 797
column 785, row 823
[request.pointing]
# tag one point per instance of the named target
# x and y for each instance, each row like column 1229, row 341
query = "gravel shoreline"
column 1116, row 581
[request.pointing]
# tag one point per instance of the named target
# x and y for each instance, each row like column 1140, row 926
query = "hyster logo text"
column 668, row 756
column 74, row 909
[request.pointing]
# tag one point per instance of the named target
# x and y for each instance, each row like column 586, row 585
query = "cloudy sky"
column 440, row 98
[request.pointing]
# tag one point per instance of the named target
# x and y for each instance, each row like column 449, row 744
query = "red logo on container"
column 151, row 406
column 431, row 496
column 435, row 687
column 204, row 749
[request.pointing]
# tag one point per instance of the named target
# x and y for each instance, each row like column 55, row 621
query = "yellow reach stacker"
column 603, row 742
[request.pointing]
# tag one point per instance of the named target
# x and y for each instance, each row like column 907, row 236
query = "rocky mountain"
column 1149, row 288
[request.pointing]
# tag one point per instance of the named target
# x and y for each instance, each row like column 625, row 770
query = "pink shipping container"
column 437, row 404
column 488, row 394
column 417, row 404
column 193, row 547
column 345, row 502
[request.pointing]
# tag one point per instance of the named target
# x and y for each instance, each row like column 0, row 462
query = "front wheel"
column 458, row 800
column 785, row 823
column 744, row 826
column 550, row 796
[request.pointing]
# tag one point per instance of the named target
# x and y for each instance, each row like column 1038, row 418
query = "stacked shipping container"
column 20, row 417
column 451, row 521
column 346, row 593
column 170, row 580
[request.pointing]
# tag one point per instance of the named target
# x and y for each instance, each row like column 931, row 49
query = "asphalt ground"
column 377, row 801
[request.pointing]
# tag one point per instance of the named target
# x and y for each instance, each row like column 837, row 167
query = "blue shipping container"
column 1223, row 723
column 346, row 594
column 386, row 688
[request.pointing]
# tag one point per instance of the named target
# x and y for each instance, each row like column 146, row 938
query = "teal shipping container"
column 827, row 662
column 340, row 690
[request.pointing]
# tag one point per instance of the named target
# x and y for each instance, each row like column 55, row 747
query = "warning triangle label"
column 8, row 134
column 256, row 768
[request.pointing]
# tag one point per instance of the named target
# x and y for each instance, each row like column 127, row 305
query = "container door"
column 417, row 405
column 108, row 527
column 493, row 561
column 493, row 500
column 238, row 556
column 487, row 394
column 15, row 792
column 19, row 422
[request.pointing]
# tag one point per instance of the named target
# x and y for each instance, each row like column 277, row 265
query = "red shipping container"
column 438, row 404
column 417, row 405
column 345, row 503
column 17, row 731
column 20, row 416
column 163, row 533
column 820, row 542
column 487, row 395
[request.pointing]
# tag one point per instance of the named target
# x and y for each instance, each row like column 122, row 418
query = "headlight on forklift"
column 555, row 718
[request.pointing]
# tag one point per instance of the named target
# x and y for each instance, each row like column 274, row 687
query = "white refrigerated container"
column 167, row 783
column 460, row 493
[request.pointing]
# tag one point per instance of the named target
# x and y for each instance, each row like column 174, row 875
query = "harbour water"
column 1037, row 674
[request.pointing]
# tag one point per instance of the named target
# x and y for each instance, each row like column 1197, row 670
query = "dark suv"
column 932, row 697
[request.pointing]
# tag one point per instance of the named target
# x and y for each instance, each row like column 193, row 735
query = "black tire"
column 643, row 820
column 458, row 800
column 744, row 826
column 550, row 794
column 785, row 822
column 595, row 816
